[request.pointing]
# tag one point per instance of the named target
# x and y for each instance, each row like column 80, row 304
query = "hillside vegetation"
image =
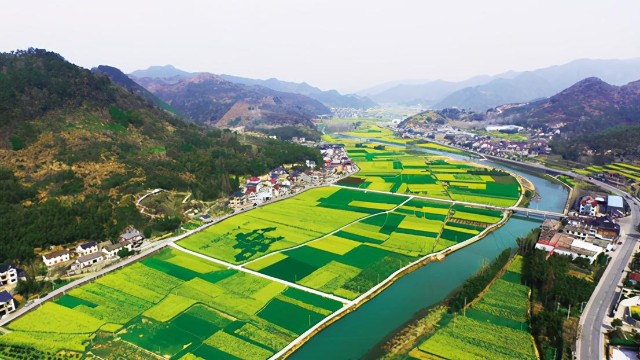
column 75, row 148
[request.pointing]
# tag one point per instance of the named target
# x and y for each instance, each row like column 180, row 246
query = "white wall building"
column 87, row 248
column 56, row 257
column 7, row 304
column 8, row 275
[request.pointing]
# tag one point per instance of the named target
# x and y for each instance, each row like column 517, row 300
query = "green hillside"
column 75, row 148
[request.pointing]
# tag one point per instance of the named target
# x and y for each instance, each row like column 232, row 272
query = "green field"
column 494, row 328
column 287, row 223
column 629, row 171
column 393, row 170
column 173, row 305
column 363, row 254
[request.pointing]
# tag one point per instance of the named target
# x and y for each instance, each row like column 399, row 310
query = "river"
column 353, row 336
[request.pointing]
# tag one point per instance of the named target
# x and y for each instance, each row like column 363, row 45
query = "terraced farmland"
column 629, row 171
column 173, row 305
column 494, row 328
column 393, row 170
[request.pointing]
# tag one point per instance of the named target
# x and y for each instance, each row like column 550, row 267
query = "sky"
column 346, row 45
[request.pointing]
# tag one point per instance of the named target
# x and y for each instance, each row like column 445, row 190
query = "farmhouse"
column 111, row 251
column 87, row 248
column 7, row 304
column 236, row 201
column 589, row 206
column 56, row 257
column 133, row 235
column 8, row 275
column 87, row 260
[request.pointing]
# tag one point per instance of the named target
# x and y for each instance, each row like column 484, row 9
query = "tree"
column 616, row 323
column 124, row 252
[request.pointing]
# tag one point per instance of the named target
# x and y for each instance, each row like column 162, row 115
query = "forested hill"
column 75, row 148
column 118, row 77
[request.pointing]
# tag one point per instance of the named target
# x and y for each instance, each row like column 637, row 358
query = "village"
column 589, row 230
column 91, row 256
column 509, row 141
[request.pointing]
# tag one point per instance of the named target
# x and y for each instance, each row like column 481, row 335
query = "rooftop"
column 6, row 267
column 88, row 245
column 130, row 233
column 615, row 201
column 5, row 296
column 89, row 257
column 55, row 254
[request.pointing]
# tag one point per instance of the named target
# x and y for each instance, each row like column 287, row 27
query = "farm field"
column 360, row 256
column 393, row 170
column 629, row 171
column 495, row 327
column 287, row 223
column 177, row 305
column 372, row 131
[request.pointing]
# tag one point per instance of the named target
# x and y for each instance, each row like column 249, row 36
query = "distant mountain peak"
column 161, row 71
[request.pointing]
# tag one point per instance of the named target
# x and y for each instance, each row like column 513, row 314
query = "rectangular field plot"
column 495, row 327
column 472, row 339
column 172, row 305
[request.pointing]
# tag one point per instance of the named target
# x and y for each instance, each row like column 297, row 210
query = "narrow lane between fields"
column 264, row 276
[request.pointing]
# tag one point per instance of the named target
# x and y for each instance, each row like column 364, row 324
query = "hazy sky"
column 347, row 44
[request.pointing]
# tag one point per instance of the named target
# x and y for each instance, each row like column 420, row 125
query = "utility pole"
column 464, row 309
column 569, row 312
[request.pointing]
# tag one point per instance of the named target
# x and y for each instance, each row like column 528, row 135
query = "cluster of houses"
column 537, row 142
column 281, row 182
column 8, row 280
column 92, row 254
column 589, row 230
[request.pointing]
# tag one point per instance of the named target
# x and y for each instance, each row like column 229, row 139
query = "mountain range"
column 209, row 99
column 330, row 98
column 483, row 92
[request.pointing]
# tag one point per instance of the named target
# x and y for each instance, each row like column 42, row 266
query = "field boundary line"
column 327, row 234
column 255, row 273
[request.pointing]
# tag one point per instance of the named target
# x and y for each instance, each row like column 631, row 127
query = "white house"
column 87, row 260
column 8, row 275
column 56, row 257
column 7, row 304
column 87, row 248
column 134, row 236
column 111, row 251
column 264, row 194
column 131, row 234
column 589, row 206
